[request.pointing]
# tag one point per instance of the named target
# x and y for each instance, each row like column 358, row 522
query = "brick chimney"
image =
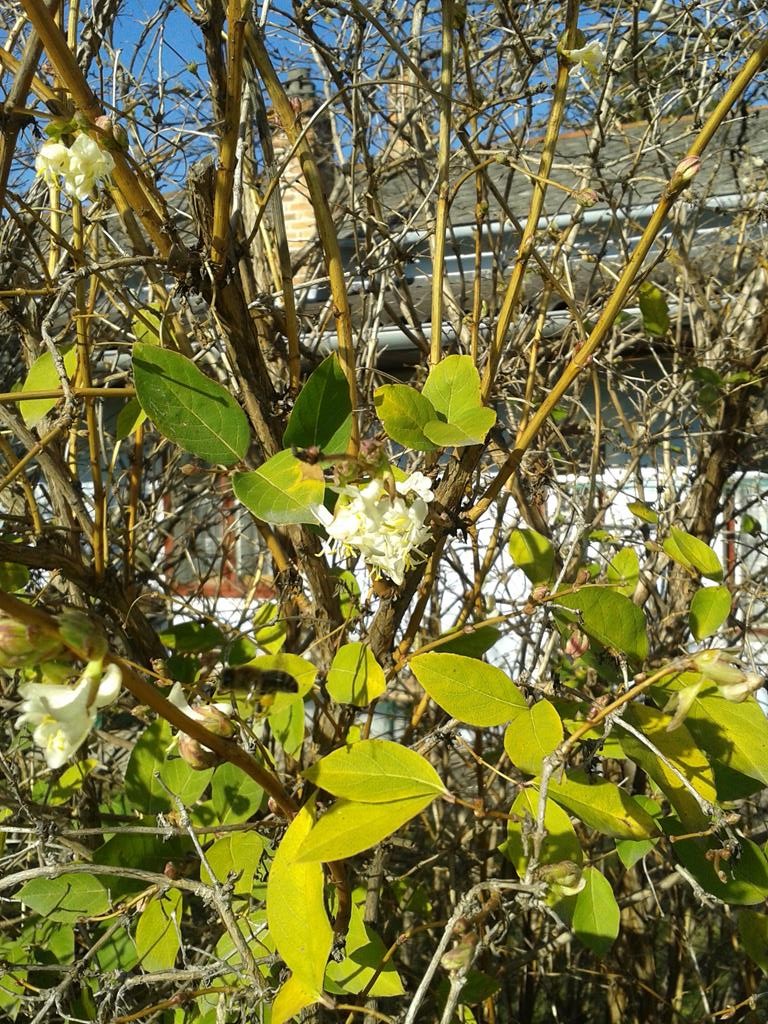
column 300, row 223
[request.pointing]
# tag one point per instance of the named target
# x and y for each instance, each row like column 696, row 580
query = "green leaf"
column 471, row 428
column 184, row 781
column 355, row 677
column 292, row 997
column 453, row 388
column 349, row 827
column 287, row 726
column 193, row 637
column 129, row 419
column 148, row 325
column 187, row 407
column 643, row 511
column 743, row 878
column 734, row 734
column 158, row 931
column 560, row 842
column 532, row 734
column 142, row 786
column 534, row 554
column 631, row 851
column 678, row 754
column 13, row 577
column 67, row 898
column 283, row 491
column 602, row 805
column 404, row 413
column 364, row 960
column 624, row 569
column 296, row 905
column 468, row 689
column 753, row 930
column 42, row 376
column 471, row 642
column 236, row 854
column 654, row 310
column 693, row 553
column 596, row 913
column 235, row 796
column 375, row 772
column 322, row 415
column 710, row 607
column 270, row 630
column 610, row 618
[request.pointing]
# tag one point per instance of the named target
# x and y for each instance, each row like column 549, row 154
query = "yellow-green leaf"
column 158, row 932
column 237, row 854
column 296, row 906
column 355, row 677
column 404, row 413
column 532, row 734
column 624, row 569
column 349, row 827
column 293, row 996
column 653, row 308
column 693, row 553
column 282, row 491
column 643, row 511
column 533, row 553
column 610, row 618
column 677, row 750
column 468, row 689
column 596, row 913
column 42, row 376
column 375, row 772
column 710, row 607
column 560, row 842
column 365, row 952
column 602, row 805
column 753, row 930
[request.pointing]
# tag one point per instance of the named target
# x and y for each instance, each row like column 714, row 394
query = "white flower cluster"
column 63, row 716
column 387, row 531
column 81, row 165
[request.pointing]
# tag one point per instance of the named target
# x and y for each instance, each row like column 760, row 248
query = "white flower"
column 52, row 161
column 81, row 167
column 88, row 164
column 62, row 716
column 387, row 532
column 215, row 718
column 590, row 57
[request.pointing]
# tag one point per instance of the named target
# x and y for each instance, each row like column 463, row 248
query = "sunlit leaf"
column 322, row 415
column 560, row 841
column 531, row 735
column 355, row 677
column 189, row 408
column 654, row 309
column 596, row 914
column 292, row 997
column 375, row 771
column 349, row 827
column 296, row 913
column 533, row 553
column 709, row 609
column 282, row 491
column 602, row 805
column 693, row 553
column 610, row 618
column 468, row 689
column 67, row 898
column 43, row 376
column 158, row 931
column 404, row 413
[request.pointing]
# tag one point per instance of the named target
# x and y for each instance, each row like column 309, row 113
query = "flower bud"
column 196, row 755
column 577, row 644
column 80, row 632
column 22, row 646
column 565, row 878
column 587, row 197
column 688, row 168
column 539, row 593
column 720, row 668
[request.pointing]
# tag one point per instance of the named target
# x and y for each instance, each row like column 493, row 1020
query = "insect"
column 258, row 681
